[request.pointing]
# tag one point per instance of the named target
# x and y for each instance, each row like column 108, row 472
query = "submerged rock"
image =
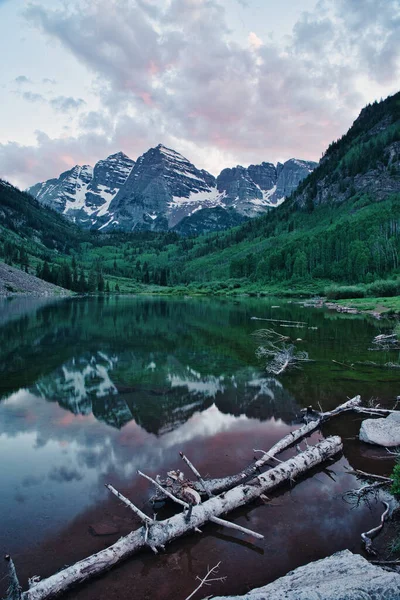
column 103, row 529
column 382, row 432
column 342, row 576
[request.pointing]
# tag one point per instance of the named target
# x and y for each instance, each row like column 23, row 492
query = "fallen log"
column 280, row 321
column 379, row 412
column 218, row 485
column 387, row 480
column 368, row 536
column 160, row 533
column 386, row 342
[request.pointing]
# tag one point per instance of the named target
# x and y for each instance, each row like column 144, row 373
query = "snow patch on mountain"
column 162, row 188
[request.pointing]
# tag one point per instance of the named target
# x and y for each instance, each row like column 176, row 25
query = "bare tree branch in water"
column 280, row 358
column 159, row 533
column 175, row 480
column 368, row 536
column 207, row 579
column 386, row 342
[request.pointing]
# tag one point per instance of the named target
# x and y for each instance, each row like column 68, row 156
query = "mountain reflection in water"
column 93, row 385
column 92, row 389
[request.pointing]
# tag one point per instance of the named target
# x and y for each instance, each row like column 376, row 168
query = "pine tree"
column 46, row 273
column 145, row 273
column 82, row 285
column 65, row 276
column 100, row 283
column 92, row 281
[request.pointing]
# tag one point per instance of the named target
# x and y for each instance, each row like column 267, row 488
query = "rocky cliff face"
column 14, row 281
column 209, row 219
column 84, row 194
column 163, row 190
column 254, row 190
column 289, row 175
column 365, row 161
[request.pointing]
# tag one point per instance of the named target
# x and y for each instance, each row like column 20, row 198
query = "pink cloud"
column 175, row 73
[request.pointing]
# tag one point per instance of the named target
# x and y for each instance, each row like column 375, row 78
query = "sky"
column 223, row 82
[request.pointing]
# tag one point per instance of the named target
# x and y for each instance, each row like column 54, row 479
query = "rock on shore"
column 342, row 576
column 382, row 432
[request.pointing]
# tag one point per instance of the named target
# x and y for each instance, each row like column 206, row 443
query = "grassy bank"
column 231, row 287
column 376, row 305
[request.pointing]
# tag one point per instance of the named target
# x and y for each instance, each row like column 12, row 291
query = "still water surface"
column 93, row 389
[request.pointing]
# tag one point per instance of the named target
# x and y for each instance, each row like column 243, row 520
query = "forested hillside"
column 342, row 225
column 364, row 160
column 42, row 242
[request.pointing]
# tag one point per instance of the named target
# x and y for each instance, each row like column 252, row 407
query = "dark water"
column 93, row 389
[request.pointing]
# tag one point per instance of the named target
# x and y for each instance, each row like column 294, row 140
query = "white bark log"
column 142, row 516
column 160, row 533
column 216, row 486
column 196, row 473
column 230, row 525
column 379, row 412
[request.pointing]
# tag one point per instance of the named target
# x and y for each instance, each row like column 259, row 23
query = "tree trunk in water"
column 160, row 533
column 216, row 486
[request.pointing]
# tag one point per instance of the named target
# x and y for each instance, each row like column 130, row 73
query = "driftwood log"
column 157, row 534
column 175, row 482
column 368, row 536
column 280, row 358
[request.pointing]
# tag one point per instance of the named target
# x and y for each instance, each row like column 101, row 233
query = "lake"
column 93, row 389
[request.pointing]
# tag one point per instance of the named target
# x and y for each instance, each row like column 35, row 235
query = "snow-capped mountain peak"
column 163, row 189
column 83, row 193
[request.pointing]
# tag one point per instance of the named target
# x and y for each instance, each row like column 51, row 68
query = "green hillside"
column 42, row 242
column 341, row 226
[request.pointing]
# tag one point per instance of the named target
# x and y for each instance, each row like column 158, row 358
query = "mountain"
column 25, row 222
column 84, row 194
column 341, row 224
column 254, row 190
column 31, row 235
column 209, row 219
column 363, row 161
column 163, row 188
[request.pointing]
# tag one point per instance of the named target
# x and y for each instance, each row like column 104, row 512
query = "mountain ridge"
column 162, row 188
column 351, row 236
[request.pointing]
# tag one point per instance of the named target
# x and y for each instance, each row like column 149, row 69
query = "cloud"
column 174, row 72
column 33, row 97
column 64, row 474
column 254, row 41
column 50, row 81
column 21, row 79
column 92, row 121
column 26, row 165
column 67, row 103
